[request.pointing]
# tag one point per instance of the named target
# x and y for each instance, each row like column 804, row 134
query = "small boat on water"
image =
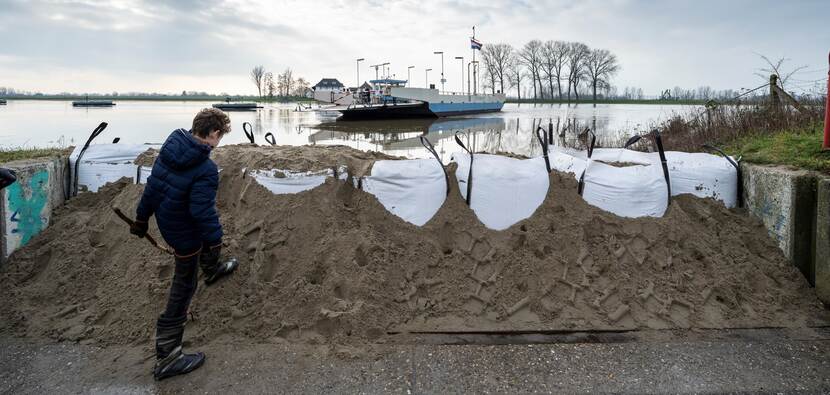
column 93, row 103
column 237, row 106
column 2, row 102
column 390, row 99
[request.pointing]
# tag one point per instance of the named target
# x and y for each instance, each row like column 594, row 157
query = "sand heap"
column 331, row 265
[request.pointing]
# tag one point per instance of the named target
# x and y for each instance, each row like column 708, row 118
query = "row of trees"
column 551, row 67
column 283, row 85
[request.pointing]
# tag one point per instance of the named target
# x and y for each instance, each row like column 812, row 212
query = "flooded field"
column 57, row 123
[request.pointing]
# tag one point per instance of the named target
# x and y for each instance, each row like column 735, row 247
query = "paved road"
column 749, row 361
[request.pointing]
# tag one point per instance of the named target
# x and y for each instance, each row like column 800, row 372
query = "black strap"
column 269, row 137
column 543, row 141
column 581, row 185
column 470, row 174
column 737, row 169
column 248, row 133
column 428, row 145
column 657, row 140
column 95, row 133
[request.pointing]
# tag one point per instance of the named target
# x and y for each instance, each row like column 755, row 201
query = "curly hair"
column 210, row 119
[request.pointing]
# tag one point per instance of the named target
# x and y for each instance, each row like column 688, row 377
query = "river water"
column 33, row 123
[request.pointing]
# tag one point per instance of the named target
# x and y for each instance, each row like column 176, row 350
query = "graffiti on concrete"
column 26, row 203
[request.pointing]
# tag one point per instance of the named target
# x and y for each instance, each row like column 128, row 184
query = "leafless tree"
column 600, row 65
column 554, row 58
column 531, row 56
column 515, row 73
column 268, row 84
column 285, row 82
column 779, row 68
column 496, row 58
column 577, row 52
column 300, row 86
column 257, row 75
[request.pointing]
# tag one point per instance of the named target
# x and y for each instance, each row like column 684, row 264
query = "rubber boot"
column 212, row 268
column 170, row 359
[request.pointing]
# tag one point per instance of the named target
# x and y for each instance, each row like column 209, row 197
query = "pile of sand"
column 331, row 265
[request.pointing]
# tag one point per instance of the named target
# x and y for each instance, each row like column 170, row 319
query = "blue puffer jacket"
column 181, row 192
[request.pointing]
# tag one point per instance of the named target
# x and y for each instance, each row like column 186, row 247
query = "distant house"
column 328, row 84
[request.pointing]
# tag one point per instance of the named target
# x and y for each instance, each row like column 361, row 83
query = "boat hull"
column 422, row 110
column 391, row 111
column 237, row 106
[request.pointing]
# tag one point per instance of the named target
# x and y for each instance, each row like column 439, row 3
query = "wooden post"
column 773, row 94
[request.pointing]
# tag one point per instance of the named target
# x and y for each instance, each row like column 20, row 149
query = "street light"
column 407, row 75
column 358, row 71
column 426, row 77
column 462, row 72
column 442, row 68
column 376, row 69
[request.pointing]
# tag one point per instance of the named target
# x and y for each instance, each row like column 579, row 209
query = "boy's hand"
column 139, row 228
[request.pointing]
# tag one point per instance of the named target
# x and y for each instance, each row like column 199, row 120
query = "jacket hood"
column 182, row 151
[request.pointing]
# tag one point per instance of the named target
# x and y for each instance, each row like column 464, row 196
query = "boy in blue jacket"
column 181, row 192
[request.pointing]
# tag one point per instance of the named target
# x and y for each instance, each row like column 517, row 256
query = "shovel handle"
column 147, row 236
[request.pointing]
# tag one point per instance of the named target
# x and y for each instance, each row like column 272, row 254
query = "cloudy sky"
column 136, row 45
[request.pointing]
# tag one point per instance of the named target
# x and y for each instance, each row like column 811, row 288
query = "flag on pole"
column 475, row 44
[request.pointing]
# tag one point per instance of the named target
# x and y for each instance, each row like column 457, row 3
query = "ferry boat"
column 390, row 99
column 237, row 106
column 93, row 103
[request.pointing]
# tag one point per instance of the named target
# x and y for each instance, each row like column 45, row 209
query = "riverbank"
column 10, row 154
column 800, row 148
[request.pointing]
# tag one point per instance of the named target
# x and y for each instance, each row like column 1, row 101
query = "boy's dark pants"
column 170, row 325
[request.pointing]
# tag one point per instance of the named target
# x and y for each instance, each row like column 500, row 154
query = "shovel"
column 146, row 236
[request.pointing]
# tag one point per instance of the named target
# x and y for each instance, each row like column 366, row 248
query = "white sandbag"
column 284, row 181
column 105, row 163
column 703, row 175
column 505, row 190
column 700, row 174
column 632, row 191
column 621, row 155
column 413, row 190
column 561, row 161
column 144, row 173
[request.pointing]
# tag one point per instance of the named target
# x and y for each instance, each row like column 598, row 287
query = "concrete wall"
column 822, row 240
column 26, row 206
column 788, row 203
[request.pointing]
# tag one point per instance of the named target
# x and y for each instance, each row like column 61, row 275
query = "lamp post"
column 376, row 69
column 426, row 77
column 462, row 72
column 358, row 71
column 442, row 68
column 407, row 75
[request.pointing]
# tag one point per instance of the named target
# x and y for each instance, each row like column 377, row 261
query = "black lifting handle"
column 249, row 131
column 470, row 173
column 428, row 145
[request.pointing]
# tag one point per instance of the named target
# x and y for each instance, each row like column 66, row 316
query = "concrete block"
column 822, row 240
column 785, row 201
column 26, row 206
